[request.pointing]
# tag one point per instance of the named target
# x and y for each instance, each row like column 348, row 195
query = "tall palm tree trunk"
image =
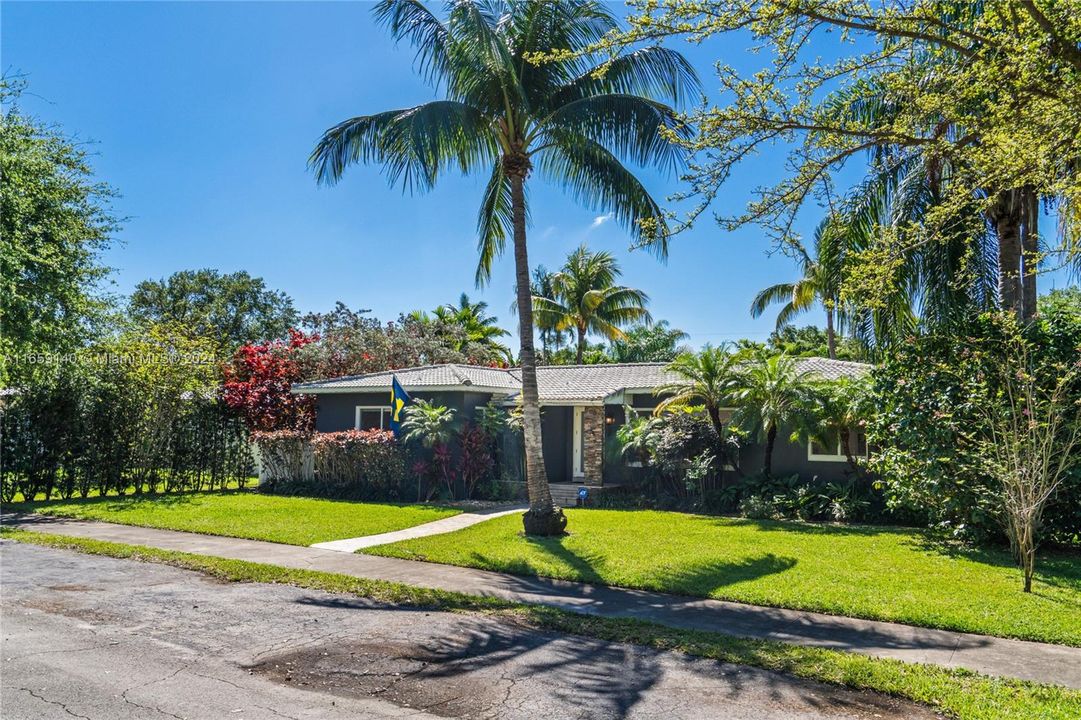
column 542, row 518
column 1030, row 252
column 1006, row 216
column 771, row 438
column 580, row 355
column 831, row 339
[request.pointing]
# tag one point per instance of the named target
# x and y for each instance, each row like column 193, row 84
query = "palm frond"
column 597, row 179
column 414, row 144
column 654, row 72
column 628, row 126
column 411, row 20
column 494, row 223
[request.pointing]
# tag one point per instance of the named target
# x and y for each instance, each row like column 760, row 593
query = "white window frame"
column 839, row 457
column 384, row 414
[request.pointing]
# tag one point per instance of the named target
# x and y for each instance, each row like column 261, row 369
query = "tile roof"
column 556, row 383
column 451, row 375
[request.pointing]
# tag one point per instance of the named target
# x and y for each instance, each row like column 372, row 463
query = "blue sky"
column 202, row 116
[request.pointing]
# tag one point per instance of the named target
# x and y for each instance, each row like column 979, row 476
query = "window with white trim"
column 372, row 417
column 821, row 453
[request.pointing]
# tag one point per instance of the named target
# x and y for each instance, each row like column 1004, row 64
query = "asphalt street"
column 107, row 639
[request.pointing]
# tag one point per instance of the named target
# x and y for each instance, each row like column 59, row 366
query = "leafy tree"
column 576, row 119
column 257, row 385
column 55, row 224
column 649, row 343
column 232, row 309
column 933, row 394
column 705, row 378
column 350, row 343
column 587, row 300
column 985, row 93
column 771, row 392
column 1029, row 436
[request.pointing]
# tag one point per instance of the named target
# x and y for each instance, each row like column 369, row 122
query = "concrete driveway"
column 101, row 638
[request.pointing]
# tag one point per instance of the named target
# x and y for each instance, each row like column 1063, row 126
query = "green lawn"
column 290, row 520
column 878, row 573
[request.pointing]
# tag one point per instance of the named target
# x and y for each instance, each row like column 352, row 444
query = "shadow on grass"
column 700, row 579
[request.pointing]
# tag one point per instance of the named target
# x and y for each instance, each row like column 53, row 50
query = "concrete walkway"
column 436, row 527
column 992, row 656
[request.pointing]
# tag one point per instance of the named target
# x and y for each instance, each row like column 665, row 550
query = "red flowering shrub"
column 257, row 384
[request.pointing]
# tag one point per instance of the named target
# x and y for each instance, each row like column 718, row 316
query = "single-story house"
column 582, row 406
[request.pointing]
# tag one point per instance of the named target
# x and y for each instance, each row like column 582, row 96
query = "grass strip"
column 958, row 693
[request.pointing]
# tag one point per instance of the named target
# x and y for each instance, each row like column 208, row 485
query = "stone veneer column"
column 593, row 442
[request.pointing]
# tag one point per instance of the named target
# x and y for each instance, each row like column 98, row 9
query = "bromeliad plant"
column 577, row 117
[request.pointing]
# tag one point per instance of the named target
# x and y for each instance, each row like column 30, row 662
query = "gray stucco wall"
column 337, row 411
column 790, row 458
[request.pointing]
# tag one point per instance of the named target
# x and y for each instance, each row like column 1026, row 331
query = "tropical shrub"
column 476, row 462
column 934, row 393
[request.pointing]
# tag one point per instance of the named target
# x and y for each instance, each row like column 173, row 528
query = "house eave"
column 302, row 390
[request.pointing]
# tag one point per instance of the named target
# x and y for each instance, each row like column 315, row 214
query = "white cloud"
column 600, row 220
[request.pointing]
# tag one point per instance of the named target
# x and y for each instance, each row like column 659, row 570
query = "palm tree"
column 478, row 327
column 551, row 336
column 840, row 407
column 770, row 392
column 576, row 117
column 649, row 343
column 587, row 299
column 428, row 424
column 704, row 378
column 821, row 282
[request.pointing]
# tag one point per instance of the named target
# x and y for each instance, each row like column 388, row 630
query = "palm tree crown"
column 821, row 282
column 576, row 117
column 587, row 299
column 771, row 392
column 705, row 378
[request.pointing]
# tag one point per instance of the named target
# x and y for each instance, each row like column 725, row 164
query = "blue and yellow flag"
column 399, row 398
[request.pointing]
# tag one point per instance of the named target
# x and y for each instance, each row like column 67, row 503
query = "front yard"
column 290, row 520
column 878, row 573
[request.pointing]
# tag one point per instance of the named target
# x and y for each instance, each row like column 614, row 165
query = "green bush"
column 137, row 412
column 933, row 391
column 353, row 464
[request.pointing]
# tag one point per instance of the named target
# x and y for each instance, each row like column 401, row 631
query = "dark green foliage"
column 233, row 309
column 811, row 341
column 931, row 393
column 649, row 343
column 56, row 222
column 75, row 433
